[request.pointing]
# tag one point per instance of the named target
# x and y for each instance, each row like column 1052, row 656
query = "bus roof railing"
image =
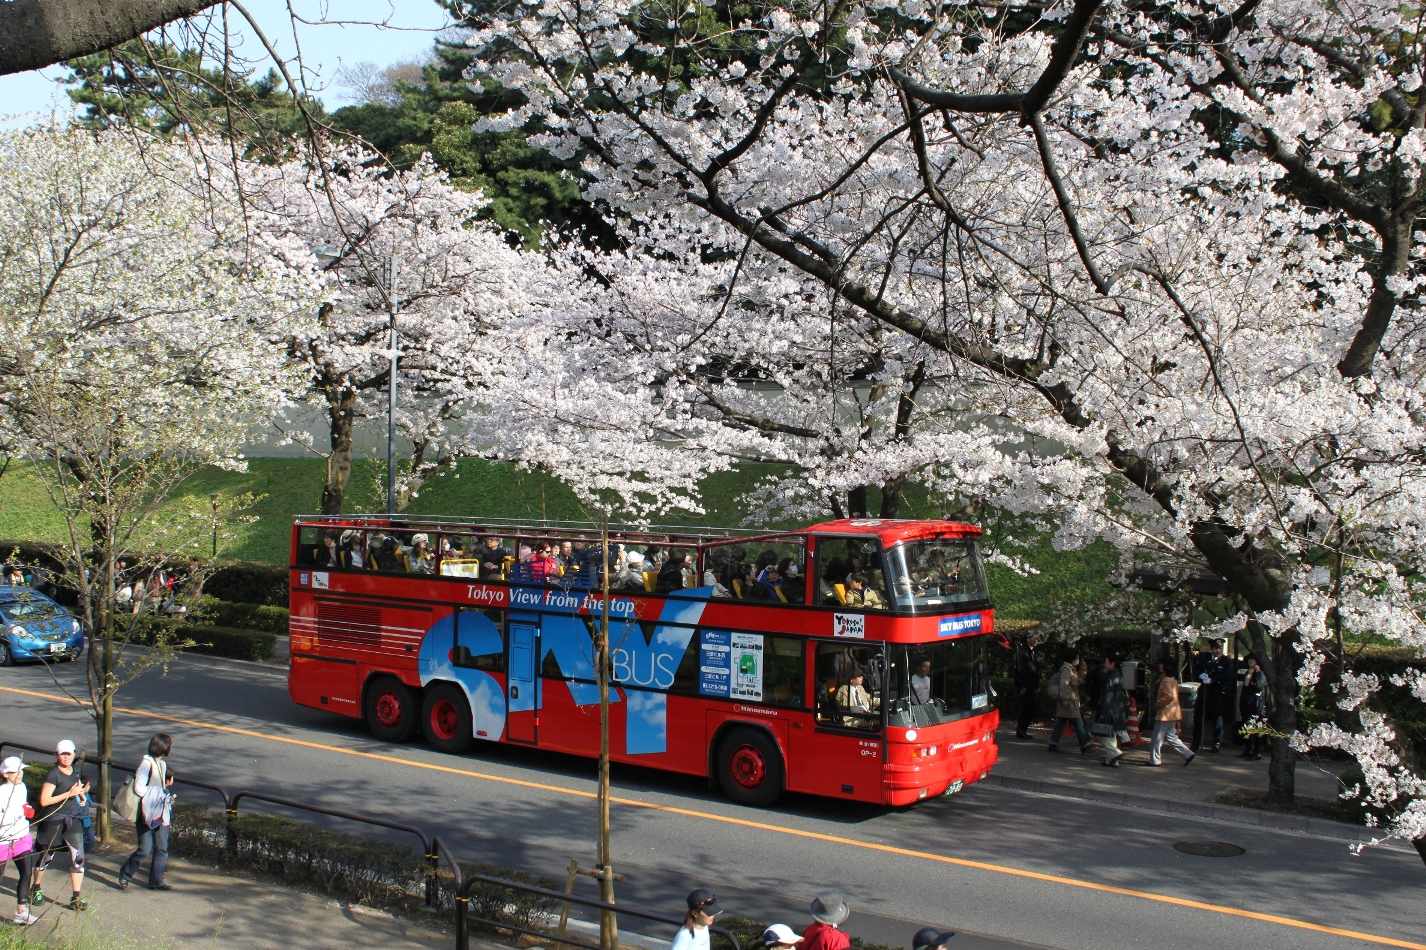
column 519, row 526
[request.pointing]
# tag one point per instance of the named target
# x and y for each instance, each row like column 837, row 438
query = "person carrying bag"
column 151, row 785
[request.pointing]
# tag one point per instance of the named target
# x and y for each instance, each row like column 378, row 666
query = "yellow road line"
column 779, row 829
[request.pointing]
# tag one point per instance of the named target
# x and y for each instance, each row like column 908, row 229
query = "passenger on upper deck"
column 861, row 595
column 492, row 557
column 671, row 573
column 420, row 559
column 769, row 580
column 543, row 567
column 351, row 549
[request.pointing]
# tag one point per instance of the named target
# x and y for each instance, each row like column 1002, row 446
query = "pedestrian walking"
column 929, row 938
column 1064, row 690
column 829, row 911
column 776, row 937
column 702, row 909
column 152, row 782
column 1027, row 684
column 1167, row 716
column 1214, row 672
column 1109, row 712
column 60, row 794
column 16, row 842
column 1253, row 704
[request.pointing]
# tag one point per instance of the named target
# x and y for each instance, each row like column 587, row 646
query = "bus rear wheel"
column 445, row 718
column 750, row 767
column 392, row 713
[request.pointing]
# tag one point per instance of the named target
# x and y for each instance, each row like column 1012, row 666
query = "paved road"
column 1007, row 869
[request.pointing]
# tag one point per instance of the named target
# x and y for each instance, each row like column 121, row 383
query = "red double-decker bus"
column 844, row 660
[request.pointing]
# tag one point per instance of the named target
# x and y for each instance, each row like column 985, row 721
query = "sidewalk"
column 207, row 908
column 1171, row 789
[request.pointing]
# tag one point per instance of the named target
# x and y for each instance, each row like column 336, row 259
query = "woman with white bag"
column 151, row 785
column 16, row 842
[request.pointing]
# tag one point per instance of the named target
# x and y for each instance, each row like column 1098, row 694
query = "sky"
column 412, row 25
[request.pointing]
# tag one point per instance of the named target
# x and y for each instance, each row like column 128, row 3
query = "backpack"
column 1054, row 688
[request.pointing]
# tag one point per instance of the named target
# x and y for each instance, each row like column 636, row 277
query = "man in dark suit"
column 1214, row 672
column 1027, row 684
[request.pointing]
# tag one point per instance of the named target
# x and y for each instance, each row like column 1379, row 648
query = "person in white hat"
column 780, row 936
column 64, row 788
column 16, row 842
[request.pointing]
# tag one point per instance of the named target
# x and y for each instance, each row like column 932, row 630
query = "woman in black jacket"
column 1253, row 704
column 1109, row 714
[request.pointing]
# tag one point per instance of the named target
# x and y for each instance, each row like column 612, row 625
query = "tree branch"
column 39, row 33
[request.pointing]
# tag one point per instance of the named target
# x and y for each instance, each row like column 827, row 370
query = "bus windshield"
column 937, row 682
column 934, row 573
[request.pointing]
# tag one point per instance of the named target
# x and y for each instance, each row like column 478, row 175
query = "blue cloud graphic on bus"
column 479, row 635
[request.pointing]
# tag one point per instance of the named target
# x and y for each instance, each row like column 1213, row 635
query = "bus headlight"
column 910, row 735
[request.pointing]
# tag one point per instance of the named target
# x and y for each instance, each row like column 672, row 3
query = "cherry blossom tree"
column 1177, row 241
column 142, row 314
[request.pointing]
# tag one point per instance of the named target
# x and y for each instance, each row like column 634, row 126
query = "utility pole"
column 388, row 277
column 608, row 928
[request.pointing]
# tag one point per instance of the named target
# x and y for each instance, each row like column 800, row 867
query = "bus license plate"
column 955, row 786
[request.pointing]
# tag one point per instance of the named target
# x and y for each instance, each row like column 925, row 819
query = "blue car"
column 33, row 627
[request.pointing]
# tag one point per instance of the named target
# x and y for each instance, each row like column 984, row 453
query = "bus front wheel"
column 750, row 767
column 445, row 718
column 392, row 712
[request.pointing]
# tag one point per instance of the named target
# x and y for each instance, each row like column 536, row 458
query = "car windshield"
column 937, row 682
column 29, row 607
column 928, row 575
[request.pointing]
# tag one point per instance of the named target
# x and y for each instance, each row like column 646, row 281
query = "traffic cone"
column 1133, row 721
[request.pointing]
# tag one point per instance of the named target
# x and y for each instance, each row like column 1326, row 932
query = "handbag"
column 1101, row 727
column 126, row 801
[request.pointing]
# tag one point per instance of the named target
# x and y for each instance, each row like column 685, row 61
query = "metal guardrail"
column 464, row 918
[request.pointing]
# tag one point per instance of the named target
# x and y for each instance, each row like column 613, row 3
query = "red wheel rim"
column 445, row 721
column 388, row 710
column 748, row 767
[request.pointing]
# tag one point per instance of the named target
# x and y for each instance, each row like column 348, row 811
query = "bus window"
column 937, row 682
column 849, row 573
column 783, row 671
column 762, row 571
column 458, row 557
column 849, row 685
column 480, row 639
column 936, row 572
column 387, row 552
column 309, row 546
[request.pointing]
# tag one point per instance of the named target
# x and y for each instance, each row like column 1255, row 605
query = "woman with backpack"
column 16, row 842
column 152, row 782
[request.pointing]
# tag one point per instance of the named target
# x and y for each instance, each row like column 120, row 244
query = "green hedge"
column 211, row 611
column 247, row 582
column 361, row 870
column 229, row 642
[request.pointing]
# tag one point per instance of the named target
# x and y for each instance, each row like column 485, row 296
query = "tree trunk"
column 341, row 418
column 856, row 502
column 1282, row 770
column 106, row 713
column 891, row 497
column 39, row 33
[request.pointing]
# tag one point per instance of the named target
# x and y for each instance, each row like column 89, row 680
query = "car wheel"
column 6, row 658
column 446, row 719
column 750, row 767
column 391, row 711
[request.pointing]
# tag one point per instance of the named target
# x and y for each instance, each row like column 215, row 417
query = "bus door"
column 521, row 690
column 841, row 754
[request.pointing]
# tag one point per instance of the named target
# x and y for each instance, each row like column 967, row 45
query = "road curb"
column 204, row 659
column 1231, row 814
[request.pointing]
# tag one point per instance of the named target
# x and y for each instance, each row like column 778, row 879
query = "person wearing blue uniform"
column 1214, row 672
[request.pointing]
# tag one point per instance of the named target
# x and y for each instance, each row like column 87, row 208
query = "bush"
column 361, row 870
column 220, row 613
column 234, row 644
column 246, row 582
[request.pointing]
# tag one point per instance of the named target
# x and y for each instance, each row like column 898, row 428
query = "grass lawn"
column 478, row 489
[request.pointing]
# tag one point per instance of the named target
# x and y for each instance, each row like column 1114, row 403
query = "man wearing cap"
column 829, row 910
column 929, row 938
column 702, row 908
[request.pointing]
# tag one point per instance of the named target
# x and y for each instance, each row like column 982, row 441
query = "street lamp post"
column 214, row 499
column 388, row 275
